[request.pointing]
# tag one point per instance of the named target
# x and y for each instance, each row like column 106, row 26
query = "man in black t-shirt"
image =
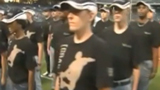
column 35, row 33
column 80, row 65
column 123, row 46
column 104, row 23
column 149, row 32
column 4, row 34
column 21, row 53
column 3, row 48
column 54, row 27
column 46, row 26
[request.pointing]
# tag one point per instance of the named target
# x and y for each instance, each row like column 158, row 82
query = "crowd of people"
column 81, row 53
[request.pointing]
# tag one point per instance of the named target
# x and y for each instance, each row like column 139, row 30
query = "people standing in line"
column 150, row 41
column 83, row 62
column 124, row 46
column 35, row 33
column 21, row 52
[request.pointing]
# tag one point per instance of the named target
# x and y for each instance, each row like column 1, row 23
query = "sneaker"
column 50, row 75
column 45, row 74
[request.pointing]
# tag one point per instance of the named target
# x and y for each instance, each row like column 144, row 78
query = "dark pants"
column 47, row 57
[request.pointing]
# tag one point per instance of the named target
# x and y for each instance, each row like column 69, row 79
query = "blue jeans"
column 37, row 76
column 145, row 71
column 7, row 86
column 124, row 87
column 12, row 86
column 23, row 86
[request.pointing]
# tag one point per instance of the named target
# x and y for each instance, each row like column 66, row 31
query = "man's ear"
column 92, row 16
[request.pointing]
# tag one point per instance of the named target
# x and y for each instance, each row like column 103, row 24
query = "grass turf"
column 154, row 85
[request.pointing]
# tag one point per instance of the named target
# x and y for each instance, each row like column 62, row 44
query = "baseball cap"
column 123, row 4
column 80, row 5
column 13, row 15
column 104, row 9
column 32, row 12
column 146, row 4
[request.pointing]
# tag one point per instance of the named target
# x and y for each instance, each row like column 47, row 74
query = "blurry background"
column 39, row 4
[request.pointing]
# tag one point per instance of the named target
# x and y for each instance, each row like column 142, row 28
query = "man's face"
column 12, row 27
column 29, row 16
column 118, row 14
column 46, row 13
column 79, row 19
column 142, row 11
column 104, row 15
column 53, row 14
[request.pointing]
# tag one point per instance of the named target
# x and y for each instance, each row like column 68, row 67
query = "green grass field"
column 155, row 83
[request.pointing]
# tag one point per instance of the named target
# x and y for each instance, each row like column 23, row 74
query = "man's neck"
column 104, row 20
column 144, row 20
column 82, row 35
column 30, row 21
column 19, row 34
column 121, row 25
column 56, row 19
column 47, row 17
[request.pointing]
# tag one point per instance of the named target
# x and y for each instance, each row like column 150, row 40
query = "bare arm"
column 31, row 80
column 155, row 59
column 49, row 41
column 136, row 75
column 4, row 67
column 57, row 83
column 40, row 52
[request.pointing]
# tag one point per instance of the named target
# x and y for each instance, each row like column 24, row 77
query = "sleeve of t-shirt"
column 156, row 35
column 136, row 50
column 104, row 69
column 30, row 54
column 4, row 42
column 5, row 30
column 39, row 34
column 95, row 30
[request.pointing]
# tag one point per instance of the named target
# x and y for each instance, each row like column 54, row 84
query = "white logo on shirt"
column 13, row 55
column 65, row 33
column 126, row 45
column 72, row 74
column 147, row 33
column 110, row 72
column 61, row 54
column 29, row 34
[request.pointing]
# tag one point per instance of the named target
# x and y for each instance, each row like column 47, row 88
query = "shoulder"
column 106, row 31
column 66, row 40
column 97, row 42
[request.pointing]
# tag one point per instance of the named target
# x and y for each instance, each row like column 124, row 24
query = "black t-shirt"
column 60, row 32
column 55, row 27
column 35, row 33
column 100, row 26
column 46, row 26
column 4, row 32
column 21, row 58
column 149, row 37
column 124, row 49
column 84, row 66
